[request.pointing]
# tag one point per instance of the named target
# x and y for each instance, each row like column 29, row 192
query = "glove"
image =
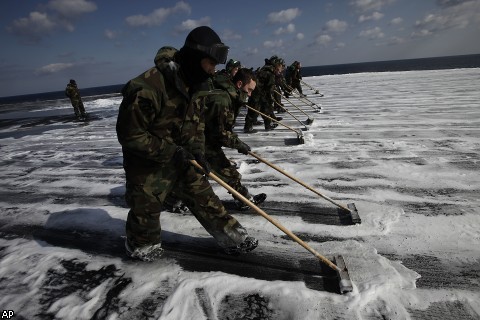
column 200, row 158
column 182, row 158
column 243, row 148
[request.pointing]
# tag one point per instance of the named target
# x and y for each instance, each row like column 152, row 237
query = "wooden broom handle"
column 269, row 218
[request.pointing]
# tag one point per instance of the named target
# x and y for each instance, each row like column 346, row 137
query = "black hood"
column 190, row 64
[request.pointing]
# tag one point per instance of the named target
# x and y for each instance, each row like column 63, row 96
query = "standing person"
column 231, row 68
column 281, row 86
column 160, row 126
column 222, row 109
column 294, row 77
column 73, row 93
column 262, row 96
column 224, row 79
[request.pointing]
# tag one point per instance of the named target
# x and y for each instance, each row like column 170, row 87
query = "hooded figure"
column 201, row 43
column 294, row 76
column 160, row 126
column 72, row 92
column 232, row 67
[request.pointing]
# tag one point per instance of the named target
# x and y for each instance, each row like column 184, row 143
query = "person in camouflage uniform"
column 227, row 74
column 223, row 105
column 73, row 93
column 294, row 77
column 231, row 68
column 262, row 96
column 281, row 86
column 160, row 127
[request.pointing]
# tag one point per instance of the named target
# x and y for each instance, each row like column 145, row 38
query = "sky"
column 46, row 43
column 408, row 158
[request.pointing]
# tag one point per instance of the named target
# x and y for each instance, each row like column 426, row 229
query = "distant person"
column 160, row 126
column 262, row 97
column 281, row 86
column 294, row 77
column 73, row 93
column 231, row 68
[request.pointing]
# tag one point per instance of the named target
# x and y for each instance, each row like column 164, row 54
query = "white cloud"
column 300, row 36
column 335, row 25
column 373, row 33
column 290, row 28
column 453, row 15
column 283, row 16
column 421, row 33
column 34, row 27
column 323, row 39
column 230, row 35
column 374, row 16
column 395, row 40
column 109, row 34
column 396, row 21
column 158, row 16
column 71, row 8
column 251, row 51
column 190, row 24
column 339, row 45
column 59, row 14
column 53, row 68
column 369, row 5
column 450, row 3
column 273, row 44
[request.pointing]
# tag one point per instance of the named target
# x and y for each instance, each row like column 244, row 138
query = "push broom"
column 345, row 284
column 312, row 88
column 350, row 208
column 308, row 121
column 300, row 138
column 309, row 102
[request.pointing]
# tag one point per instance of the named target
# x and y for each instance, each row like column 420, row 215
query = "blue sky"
column 45, row 43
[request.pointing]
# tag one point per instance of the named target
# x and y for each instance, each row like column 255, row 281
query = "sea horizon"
column 432, row 63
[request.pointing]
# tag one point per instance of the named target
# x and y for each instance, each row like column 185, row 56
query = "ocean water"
column 437, row 63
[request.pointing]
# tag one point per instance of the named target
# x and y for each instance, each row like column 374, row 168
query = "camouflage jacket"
column 265, row 84
column 72, row 91
column 293, row 75
column 281, row 83
column 222, row 107
column 157, row 114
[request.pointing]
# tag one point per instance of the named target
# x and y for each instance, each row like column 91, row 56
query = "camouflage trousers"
column 78, row 107
column 146, row 190
column 225, row 170
column 265, row 106
column 250, row 118
column 296, row 85
column 277, row 96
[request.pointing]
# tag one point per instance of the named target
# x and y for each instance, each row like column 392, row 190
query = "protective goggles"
column 218, row 52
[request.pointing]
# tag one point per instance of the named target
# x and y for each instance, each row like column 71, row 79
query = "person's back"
column 295, row 76
column 72, row 92
column 167, row 100
column 289, row 73
column 161, row 129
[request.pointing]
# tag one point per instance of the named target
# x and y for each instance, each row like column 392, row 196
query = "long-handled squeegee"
column 345, row 284
column 300, row 137
column 350, row 208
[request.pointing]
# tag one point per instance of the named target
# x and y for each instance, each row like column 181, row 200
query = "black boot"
column 256, row 200
column 249, row 244
column 271, row 126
